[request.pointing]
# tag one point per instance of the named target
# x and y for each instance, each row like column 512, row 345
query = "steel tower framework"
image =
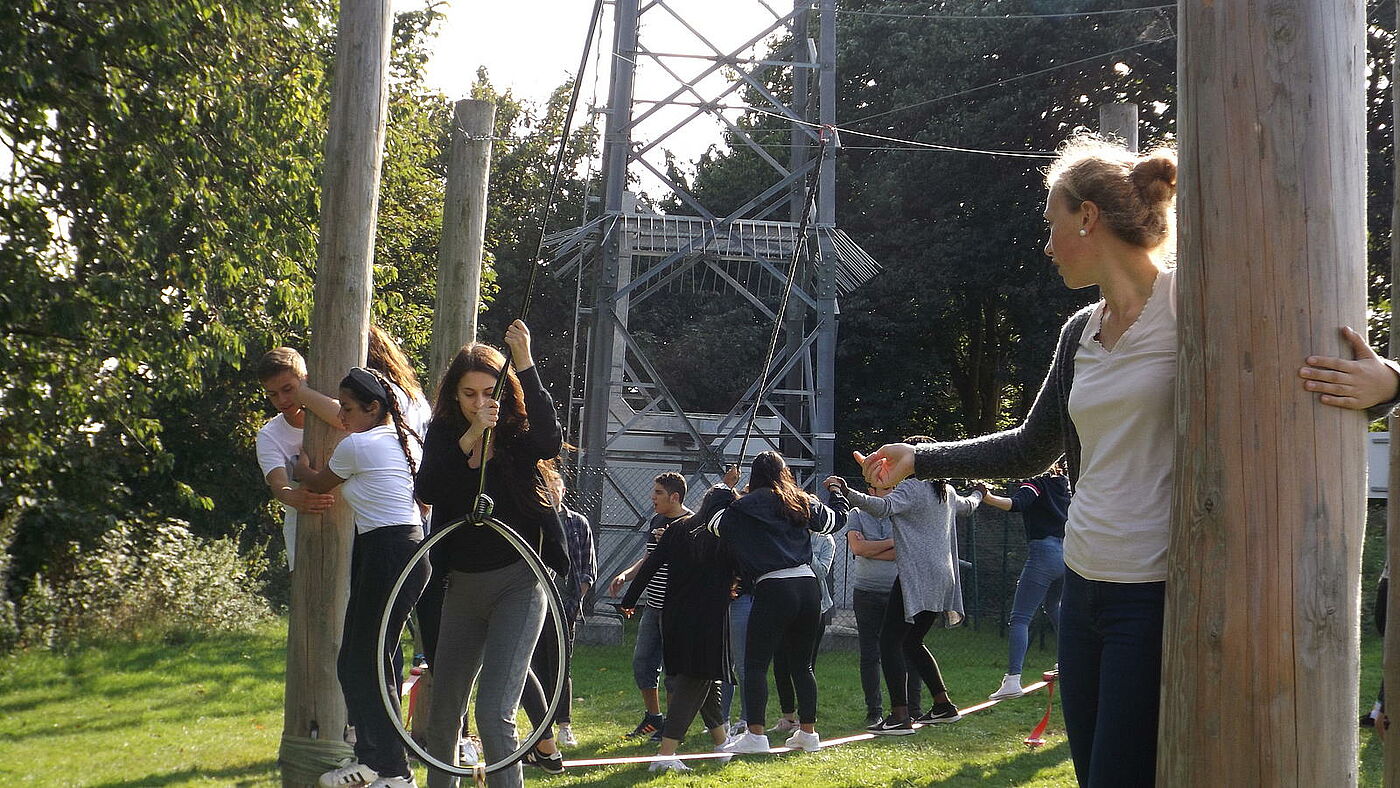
column 632, row 424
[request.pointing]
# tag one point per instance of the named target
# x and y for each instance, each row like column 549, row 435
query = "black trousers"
column 377, row 559
column 688, row 696
column 902, row 649
column 786, row 615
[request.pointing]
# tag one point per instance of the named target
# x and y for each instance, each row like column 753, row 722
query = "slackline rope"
column 701, row 756
column 814, row 185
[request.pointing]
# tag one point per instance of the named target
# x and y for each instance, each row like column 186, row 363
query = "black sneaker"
column 656, row 736
column 552, row 763
column 890, row 726
column 872, row 717
column 1367, row 721
column 940, row 712
column 651, row 723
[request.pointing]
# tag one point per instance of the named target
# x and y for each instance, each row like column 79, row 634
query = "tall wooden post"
column 1260, row 663
column 1120, row 121
column 1391, row 648
column 314, row 721
column 463, row 232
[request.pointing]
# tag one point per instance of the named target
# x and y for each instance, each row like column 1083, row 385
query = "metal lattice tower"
column 632, row 425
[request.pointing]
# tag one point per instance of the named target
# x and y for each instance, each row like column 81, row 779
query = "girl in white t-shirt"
column 374, row 466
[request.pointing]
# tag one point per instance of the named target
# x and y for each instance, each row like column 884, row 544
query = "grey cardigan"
column 1046, row 433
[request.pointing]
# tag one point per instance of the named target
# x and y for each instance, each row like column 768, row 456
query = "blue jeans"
column 1111, row 678
column 738, row 630
column 1041, row 579
column 646, row 654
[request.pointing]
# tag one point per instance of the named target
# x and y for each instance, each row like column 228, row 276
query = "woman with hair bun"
column 1107, row 404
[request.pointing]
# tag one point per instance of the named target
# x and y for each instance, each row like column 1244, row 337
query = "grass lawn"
column 209, row 712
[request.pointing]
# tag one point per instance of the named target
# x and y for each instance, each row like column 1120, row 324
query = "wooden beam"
column 1120, row 121
column 1391, row 648
column 315, row 708
column 1261, row 655
column 463, row 233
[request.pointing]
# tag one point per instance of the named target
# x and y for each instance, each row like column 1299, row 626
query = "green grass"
column 209, row 712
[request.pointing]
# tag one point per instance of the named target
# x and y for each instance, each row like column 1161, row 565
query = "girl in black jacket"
column 491, row 602
column 767, row 531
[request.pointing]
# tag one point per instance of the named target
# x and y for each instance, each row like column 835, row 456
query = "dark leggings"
column 782, row 675
column 902, row 647
column 377, row 558
column 690, row 695
column 786, row 616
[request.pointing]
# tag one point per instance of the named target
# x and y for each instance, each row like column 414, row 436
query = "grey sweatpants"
column 490, row 623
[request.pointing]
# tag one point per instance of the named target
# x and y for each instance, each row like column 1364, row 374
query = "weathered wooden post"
column 1260, row 664
column 314, row 721
column 463, row 232
column 1391, row 649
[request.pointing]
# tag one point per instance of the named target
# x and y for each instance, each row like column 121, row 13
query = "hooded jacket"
column 762, row 539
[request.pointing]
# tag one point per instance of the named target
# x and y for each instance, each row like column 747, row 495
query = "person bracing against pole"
column 694, row 620
column 1107, row 404
column 767, row 532
column 493, row 606
column 374, row 467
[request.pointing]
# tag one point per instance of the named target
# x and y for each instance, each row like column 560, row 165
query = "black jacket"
column 446, row 483
column 763, row 540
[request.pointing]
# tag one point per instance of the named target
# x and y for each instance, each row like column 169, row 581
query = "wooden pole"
column 315, row 709
column 1391, row 648
column 1261, row 641
column 1120, row 121
column 463, row 232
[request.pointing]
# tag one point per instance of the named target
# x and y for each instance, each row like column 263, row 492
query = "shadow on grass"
column 234, row 776
column 1017, row 770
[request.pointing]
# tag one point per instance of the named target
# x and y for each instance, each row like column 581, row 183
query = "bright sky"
column 531, row 46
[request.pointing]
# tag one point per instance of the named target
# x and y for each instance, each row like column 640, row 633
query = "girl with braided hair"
column 373, row 466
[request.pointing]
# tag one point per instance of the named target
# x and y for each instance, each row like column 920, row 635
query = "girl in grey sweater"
column 924, row 516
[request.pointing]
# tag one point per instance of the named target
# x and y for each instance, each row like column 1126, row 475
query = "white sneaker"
column 723, row 759
column 1010, row 688
column 783, row 725
column 350, row 773
column 671, row 765
column 566, row 735
column 739, row 728
column 749, row 743
column 394, row 782
column 802, row 740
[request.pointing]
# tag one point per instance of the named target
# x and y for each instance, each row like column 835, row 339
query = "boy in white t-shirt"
column 282, row 371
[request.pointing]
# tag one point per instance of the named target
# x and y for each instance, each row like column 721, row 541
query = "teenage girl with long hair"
column 492, row 603
column 927, row 589
column 767, row 530
column 374, row 467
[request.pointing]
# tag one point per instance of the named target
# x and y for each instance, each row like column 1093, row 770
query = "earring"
column 1083, row 232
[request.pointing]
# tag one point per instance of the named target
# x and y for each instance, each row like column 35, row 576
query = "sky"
column 532, row 46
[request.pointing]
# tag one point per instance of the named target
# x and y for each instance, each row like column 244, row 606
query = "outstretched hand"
column 1355, row 384
column 888, row 466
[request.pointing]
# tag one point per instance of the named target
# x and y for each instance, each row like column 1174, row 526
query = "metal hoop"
column 552, row 600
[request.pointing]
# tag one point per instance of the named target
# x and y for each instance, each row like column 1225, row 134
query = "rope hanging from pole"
column 814, row 185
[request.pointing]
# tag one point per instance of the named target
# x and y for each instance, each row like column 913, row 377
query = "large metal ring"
column 556, row 607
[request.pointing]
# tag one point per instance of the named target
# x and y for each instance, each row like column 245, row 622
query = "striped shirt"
column 656, row 588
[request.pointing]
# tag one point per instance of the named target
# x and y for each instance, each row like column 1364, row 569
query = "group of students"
column 480, row 607
column 1106, row 406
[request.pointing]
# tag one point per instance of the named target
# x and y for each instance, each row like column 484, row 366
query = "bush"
column 152, row 581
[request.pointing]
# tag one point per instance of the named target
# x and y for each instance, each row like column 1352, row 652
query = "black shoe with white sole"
column 939, row 713
column 892, row 726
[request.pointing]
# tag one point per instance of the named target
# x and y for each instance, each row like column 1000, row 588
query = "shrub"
column 152, row 581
